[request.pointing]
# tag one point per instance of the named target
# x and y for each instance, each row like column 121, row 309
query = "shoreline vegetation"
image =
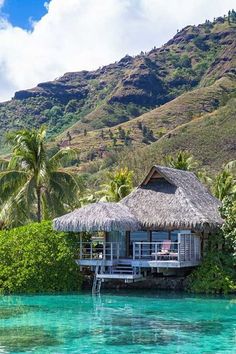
column 35, row 187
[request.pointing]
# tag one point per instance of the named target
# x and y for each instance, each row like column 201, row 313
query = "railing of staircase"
column 99, row 250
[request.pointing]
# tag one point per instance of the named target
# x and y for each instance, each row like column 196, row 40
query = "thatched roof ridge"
column 99, row 216
column 173, row 199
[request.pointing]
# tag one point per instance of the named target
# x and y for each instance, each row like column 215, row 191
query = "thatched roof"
column 173, row 199
column 98, row 217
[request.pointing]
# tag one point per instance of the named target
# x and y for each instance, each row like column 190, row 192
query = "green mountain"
column 179, row 96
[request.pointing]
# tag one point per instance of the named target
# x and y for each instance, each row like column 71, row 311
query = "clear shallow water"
column 117, row 323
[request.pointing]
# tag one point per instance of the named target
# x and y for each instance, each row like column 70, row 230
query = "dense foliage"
column 229, row 228
column 217, row 272
column 34, row 259
column 183, row 160
column 119, row 185
column 214, row 275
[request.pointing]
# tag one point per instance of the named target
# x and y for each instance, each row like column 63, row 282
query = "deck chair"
column 165, row 249
column 165, row 252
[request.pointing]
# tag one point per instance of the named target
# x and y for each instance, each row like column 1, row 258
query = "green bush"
column 213, row 276
column 200, row 43
column 37, row 259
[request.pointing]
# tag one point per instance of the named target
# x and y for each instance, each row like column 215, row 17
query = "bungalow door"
column 119, row 238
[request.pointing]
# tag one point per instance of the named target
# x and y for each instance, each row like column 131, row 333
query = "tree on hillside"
column 121, row 133
column 224, row 184
column 34, row 185
column 68, row 134
column 119, row 185
column 182, row 161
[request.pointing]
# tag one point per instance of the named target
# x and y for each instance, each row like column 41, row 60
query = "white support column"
column 105, row 245
column 194, row 247
column 111, row 251
column 104, row 250
column 139, row 250
column 91, row 250
column 190, row 248
column 179, row 240
column 80, row 246
column 118, row 250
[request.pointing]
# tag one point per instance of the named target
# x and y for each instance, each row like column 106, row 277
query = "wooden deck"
column 128, row 278
column 148, row 263
column 181, row 254
column 104, row 258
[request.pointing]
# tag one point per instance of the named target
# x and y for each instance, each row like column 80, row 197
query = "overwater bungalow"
column 161, row 226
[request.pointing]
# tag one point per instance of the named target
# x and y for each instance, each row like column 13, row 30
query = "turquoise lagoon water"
column 117, row 323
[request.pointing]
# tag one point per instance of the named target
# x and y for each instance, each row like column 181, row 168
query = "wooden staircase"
column 123, row 268
column 122, row 271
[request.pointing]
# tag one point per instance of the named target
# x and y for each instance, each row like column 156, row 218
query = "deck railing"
column 99, row 250
column 187, row 248
column 155, row 251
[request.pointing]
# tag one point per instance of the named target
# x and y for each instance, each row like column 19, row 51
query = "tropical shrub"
column 217, row 273
column 214, row 275
column 37, row 259
column 228, row 211
column 183, row 160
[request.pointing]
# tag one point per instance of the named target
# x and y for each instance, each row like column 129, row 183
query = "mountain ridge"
column 135, row 101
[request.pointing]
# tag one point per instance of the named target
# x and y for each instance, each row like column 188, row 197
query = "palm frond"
column 231, row 167
column 10, row 182
column 3, row 164
column 16, row 210
column 64, row 185
column 62, row 156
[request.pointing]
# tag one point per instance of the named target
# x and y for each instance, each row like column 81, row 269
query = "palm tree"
column 34, row 185
column 182, row 161
column 120, row 184
column 225, row 182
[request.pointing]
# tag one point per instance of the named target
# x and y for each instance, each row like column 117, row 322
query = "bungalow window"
column 159, row 236
column 139, row 236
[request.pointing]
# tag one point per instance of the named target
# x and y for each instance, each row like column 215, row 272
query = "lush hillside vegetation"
column 179, row 96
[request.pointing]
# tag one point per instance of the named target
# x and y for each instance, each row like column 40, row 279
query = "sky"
column 40, row 40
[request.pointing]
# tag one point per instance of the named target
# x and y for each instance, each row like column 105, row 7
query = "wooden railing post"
column 133, row 250
column 91, row 250
column 155, row 246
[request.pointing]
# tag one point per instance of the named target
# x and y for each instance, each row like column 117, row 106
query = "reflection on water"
column 112, row 323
